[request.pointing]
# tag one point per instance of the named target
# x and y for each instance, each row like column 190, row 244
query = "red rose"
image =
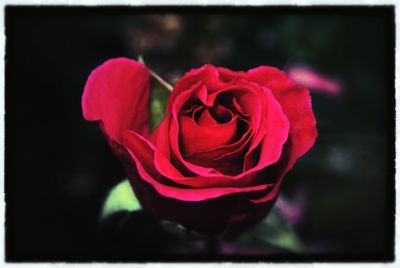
column 216, row 162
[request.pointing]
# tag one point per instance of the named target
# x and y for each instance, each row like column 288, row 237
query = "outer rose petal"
column 296, row 103
column 117, row 94
column 210, row 216
column 240, row 222
column 142, row 151
column 194, row 215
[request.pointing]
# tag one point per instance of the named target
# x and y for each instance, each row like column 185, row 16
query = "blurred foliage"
column 158, row 104
column 120, row 198
column 273, row 231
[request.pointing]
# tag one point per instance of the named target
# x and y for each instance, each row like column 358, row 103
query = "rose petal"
column 142, row 152
column 195, row 138
column 179, row 102
column 221, row 113
column 271, row 77
column 275, row 142
column 247, row 96
column 207, row 74
column 277, row 125
column 220, row 152
column 168, row 146
column 227, row 75
column 296, row 104
column 227, row 159
column 192, row 215
column 206, row 119
column 117, row 94
column 239, row 108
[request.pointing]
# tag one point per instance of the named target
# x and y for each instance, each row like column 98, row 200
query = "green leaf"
column 120, row 198
column 273, row 231
column 158, row 103
column 277, row 232
column 159, row 97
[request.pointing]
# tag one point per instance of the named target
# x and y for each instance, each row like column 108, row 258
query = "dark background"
column 59, row 167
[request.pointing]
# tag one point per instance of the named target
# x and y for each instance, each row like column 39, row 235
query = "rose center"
column 218, row 114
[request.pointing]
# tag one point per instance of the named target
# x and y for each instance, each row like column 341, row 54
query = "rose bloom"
column 216, row 162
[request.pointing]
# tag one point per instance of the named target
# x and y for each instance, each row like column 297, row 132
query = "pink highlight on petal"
column 312, row 79
column 292, row 210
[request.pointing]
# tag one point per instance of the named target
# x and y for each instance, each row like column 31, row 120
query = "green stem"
column 157, row 77
column 161, row 81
